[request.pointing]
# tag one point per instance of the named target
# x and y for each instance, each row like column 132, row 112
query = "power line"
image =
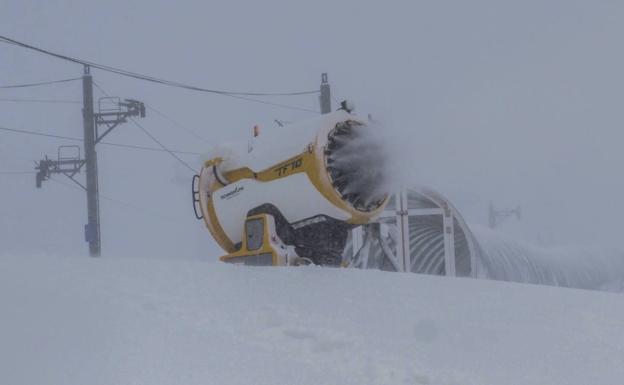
column 153, row 79
column 118, row 202
column 53, row 101
column 175, row 123
column 266, row 102
column 40, row 83
column 286, row 106
column 75, row 139
column 145, row 148
column 100, row 88
column 163, row 146
column 40, row 134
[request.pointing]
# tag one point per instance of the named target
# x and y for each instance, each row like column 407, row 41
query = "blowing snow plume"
column 357, row 164
column 507, row 259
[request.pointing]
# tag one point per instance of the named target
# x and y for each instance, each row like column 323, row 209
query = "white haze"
column 507, row 259
column 377, row 154
column 513, row 102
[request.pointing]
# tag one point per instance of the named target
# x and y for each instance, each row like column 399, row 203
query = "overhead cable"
column 118, row 202
column 175, row 123
column 40, row 83
column 172, row 153
column 52, row 101
column 76, row 139
column 148, row 78
column 16, row 172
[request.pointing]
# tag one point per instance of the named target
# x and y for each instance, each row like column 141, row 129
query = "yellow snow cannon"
column 290, row 195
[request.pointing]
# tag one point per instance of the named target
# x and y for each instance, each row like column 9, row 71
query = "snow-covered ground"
column 127, row 321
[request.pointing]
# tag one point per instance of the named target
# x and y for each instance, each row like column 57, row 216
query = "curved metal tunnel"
column 420, row 214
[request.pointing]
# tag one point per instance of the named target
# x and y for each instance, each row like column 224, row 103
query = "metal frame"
column 113, row 116
column 364, row 237
column 66, row 165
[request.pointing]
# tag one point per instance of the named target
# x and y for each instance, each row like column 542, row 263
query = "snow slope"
column 127, row 321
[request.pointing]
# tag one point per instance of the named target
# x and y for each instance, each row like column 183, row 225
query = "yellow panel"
column 266, row 244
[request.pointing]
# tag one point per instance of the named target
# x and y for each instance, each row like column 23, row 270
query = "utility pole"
column 325, row 97
column 111, row 112
column 92, row 228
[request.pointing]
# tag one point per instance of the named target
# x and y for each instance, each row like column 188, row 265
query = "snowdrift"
column 127, row 321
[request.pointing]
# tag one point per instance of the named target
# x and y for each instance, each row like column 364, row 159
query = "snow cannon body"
column 292, row 194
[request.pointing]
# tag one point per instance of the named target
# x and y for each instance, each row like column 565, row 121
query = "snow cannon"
column 290, row 195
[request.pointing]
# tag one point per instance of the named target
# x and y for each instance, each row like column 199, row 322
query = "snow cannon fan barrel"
column 291, row 195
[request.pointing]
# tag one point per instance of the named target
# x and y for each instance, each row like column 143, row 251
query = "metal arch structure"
column 420, row 231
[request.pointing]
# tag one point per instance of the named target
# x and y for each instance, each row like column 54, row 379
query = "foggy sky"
column 513, row 102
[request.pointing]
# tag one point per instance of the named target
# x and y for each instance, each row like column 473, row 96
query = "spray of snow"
column 504, row 258
column 379, row 159
column 357, row 162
